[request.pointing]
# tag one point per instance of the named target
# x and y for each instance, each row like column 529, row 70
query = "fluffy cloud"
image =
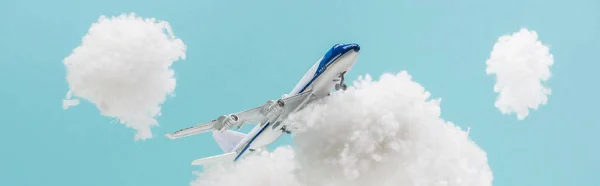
column 521, row 63
column 123, row 67
column 386, row 132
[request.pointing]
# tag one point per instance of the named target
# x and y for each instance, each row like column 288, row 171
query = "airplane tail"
column 227, row 140
column 213, row 159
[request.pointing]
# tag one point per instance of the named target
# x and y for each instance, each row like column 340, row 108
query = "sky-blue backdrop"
column 443, row 44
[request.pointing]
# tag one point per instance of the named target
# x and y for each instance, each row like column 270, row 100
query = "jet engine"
column 227, row 121
column 273, row 107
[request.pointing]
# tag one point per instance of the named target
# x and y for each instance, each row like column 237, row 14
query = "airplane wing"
column 249, row 116
column 246, row 117
column 205, row 127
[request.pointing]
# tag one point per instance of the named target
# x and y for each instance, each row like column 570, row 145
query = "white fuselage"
column 321, row 85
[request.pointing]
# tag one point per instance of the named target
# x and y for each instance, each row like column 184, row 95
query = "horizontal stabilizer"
column 214, row 159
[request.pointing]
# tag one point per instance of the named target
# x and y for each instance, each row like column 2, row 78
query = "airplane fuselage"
column 325, row 75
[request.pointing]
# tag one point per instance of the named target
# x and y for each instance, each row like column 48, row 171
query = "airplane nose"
column 356, row 47
column 353, row 46
column 347, row 47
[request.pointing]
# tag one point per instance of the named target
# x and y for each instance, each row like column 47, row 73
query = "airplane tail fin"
column 228, row 139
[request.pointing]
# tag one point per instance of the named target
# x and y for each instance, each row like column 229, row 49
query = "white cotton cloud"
column 386, row 132
column 521, row 64
column 123, row 67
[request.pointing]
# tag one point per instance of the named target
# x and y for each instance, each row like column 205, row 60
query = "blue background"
column 443, row 44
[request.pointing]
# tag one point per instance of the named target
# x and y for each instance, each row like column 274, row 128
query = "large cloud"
column 386, row 132
column 123, row 67
column 521, row 64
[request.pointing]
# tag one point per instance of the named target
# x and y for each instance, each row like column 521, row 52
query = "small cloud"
column 521, row 64
column 123, row 67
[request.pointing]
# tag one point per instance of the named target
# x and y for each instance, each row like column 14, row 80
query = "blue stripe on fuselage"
column 251, row 140
column 333, row 54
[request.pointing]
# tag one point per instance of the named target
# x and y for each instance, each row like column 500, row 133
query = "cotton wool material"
column 123, row 67
column 385, row 132
column 521, row 64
